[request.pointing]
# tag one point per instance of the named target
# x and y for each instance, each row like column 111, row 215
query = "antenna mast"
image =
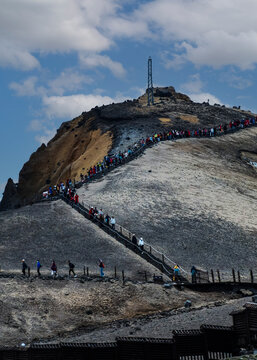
column 150, row 83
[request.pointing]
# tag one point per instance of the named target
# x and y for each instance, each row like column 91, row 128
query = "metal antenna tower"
column 150, row 83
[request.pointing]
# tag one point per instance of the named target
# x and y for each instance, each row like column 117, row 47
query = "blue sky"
column 59, row 58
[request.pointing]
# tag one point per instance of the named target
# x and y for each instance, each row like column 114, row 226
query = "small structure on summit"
column 150, row 83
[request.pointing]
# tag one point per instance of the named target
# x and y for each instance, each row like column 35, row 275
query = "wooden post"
column 212, row 276
column 162, row 258
column 218, row 273
column 150, row 251
column 87, row 271
column 115, row 272
column 84, row 270
column 234, row 275
column 123, row 277
column 239, row 278
column 251, row 276
column 145, row 276
column 28, row 271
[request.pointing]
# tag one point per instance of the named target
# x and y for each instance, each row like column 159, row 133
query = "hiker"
column 101, row 265
column 95, row 214
column 24, row 266
column 134, row 241
column 107, row 219
column 141, row 244
column 113, row 222
column 193, row 274
column 38, row 267
column 54, row 269
column 71, row 269
column 176, row 273
column 101, row 215
column 91, row 213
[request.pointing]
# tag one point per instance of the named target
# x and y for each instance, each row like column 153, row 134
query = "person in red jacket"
column 91, row 212
column 54, row 269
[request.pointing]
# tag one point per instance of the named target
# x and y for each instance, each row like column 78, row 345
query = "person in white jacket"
column 141, row 244
column 113, row 222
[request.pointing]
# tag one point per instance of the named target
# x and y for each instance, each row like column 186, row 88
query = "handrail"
column 128, row 238
column 143, row 146
column 119, row 236
column 123, row 230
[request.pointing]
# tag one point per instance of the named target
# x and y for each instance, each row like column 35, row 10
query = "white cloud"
column 204, row 32
column 73, row 105
column 46, row 136
column 194, row 84
column 235, row 81
column 28, row 87
column 194, row 89
column 46, row 26
column 36, row 125
column 69, row 80
column 218, row 48
column 214, row 33
column 95, row 60
column 138, row 90
column 135, row 27
column 204, row 97
column 16, row 57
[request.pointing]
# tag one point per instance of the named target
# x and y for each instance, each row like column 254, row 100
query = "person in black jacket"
column 71, row 268
column 24, row 266
column 134, row 241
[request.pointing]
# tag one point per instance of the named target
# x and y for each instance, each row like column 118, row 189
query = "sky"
column 60, row 58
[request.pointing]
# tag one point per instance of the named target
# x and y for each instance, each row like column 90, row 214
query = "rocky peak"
column 85, row 140
column 10, row 197
column 170, row 92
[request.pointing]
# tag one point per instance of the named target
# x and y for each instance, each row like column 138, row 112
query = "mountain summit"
column 85, row 140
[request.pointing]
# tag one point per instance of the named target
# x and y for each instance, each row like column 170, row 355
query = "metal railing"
column 140, row 148
column 147, row 247
column 157, row 258
column 124, row 236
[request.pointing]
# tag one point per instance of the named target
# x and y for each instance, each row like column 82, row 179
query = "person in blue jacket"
column 38, row 267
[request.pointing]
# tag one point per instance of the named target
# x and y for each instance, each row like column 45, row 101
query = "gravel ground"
column 56, row 231
column 39, row 310
column 162, row 324
column 194, row 200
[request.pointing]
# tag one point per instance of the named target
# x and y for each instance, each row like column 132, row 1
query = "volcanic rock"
column 85, row 140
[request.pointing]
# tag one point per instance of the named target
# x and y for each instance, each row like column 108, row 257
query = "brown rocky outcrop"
column 85, row 140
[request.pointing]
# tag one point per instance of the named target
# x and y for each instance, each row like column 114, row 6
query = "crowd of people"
column 68, row 189
column 111, row 161
column 54, row 273
column 53, row 268
column 105, row 219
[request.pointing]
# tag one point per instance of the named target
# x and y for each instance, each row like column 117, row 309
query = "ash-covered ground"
column 53, row 230
column 35, row 310
column 193, row 199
